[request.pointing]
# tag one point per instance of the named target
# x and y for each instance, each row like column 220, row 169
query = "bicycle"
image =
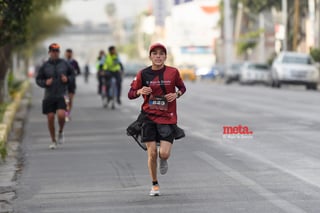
column 113, row 91
column 109, row 95
column 104, row 96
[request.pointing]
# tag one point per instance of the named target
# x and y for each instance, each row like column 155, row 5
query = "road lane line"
column 260, row 159
column 249, row 183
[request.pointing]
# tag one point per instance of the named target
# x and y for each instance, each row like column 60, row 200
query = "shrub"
column 315, row 54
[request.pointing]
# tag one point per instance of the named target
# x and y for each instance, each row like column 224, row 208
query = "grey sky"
column 79, row 11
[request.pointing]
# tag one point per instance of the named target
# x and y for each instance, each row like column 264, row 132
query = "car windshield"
column 296, row 60
column 259, row 66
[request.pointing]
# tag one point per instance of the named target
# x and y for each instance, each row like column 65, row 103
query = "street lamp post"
column 284, row 23
column 228, row 42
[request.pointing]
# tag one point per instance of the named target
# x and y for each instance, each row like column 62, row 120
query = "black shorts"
column 51, row 105
column 157, row 132
column 72, row 87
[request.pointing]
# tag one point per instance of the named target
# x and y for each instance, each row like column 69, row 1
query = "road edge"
column 11, row 132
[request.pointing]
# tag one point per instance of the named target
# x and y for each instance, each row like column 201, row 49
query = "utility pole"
column 228, row 41
column 238, row 22
column 311, row 28
column 317, row 23
column 262, row 38
column 296, row 24
column 284, row 23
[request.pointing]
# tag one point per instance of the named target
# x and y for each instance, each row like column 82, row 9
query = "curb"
column 10, row 167
column 9, row 114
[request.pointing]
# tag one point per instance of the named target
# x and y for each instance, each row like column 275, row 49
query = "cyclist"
column 157, row 84
column 100, row 61
column 113, row 68
column 54, row 76
column 72, row 85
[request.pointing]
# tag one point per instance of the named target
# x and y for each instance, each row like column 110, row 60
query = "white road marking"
column 312, row 181
column 252, row 185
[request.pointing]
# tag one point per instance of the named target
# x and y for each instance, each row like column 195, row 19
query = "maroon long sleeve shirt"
column 171, row 81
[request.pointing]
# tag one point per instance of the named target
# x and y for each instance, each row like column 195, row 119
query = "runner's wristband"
column 178, row 94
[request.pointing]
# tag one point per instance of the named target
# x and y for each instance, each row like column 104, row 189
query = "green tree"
column 48, row 22
column 315, row 53
column 254, row 7
column 248, row 41
column 24, row 23
column 13, row 27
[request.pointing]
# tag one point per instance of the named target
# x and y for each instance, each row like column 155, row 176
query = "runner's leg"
column 165, row 150
column 51, row 127
column 61, row 119
column 152, row 159
column 71, row 95
column 164, row 154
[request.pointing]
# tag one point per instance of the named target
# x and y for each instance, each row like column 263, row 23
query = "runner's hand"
column 144, row 91
column 171, row 96
column 64, row 78
column 49, row 81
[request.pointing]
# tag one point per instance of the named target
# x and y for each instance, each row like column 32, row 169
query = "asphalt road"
column 100, row 169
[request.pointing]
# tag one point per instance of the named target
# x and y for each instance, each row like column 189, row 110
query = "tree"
column 254, row 7
column 111, row 10
column 24, row 23
column 248, row 41
column 13, row 18
column 47, row 21
column 315, row 53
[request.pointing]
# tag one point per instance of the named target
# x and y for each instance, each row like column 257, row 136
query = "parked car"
column 187, row 72
column 233, row 72
column 220, row 70
column 295, row 68
column 255, row 73
column 132, row 68
column 207, row 72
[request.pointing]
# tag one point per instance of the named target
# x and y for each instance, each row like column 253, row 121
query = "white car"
column 295, row 68
column 233, row 72
column 255, row 73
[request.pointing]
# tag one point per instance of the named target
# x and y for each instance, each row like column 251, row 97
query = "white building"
column 191, row 30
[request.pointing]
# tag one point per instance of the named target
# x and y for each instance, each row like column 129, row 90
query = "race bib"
column 158, row 102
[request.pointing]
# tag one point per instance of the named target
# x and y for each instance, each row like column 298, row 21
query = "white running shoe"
column 60, row 138
column 163, row 166
column 53, row 145
column 155, row 190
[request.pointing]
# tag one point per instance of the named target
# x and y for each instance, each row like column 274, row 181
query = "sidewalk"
column 9, row 168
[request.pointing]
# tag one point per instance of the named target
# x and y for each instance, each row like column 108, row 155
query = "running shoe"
column 163, row 166
column 155, row 190
column 67, row 116
column 53, row 145
column 60, row 138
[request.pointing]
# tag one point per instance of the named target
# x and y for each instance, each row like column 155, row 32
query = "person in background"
column 54, row 76
column 100, row 73
column 72, row 86
column 113, row 68
column 86, row 73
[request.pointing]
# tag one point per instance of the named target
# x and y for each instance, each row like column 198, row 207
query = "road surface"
column 100, row 169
